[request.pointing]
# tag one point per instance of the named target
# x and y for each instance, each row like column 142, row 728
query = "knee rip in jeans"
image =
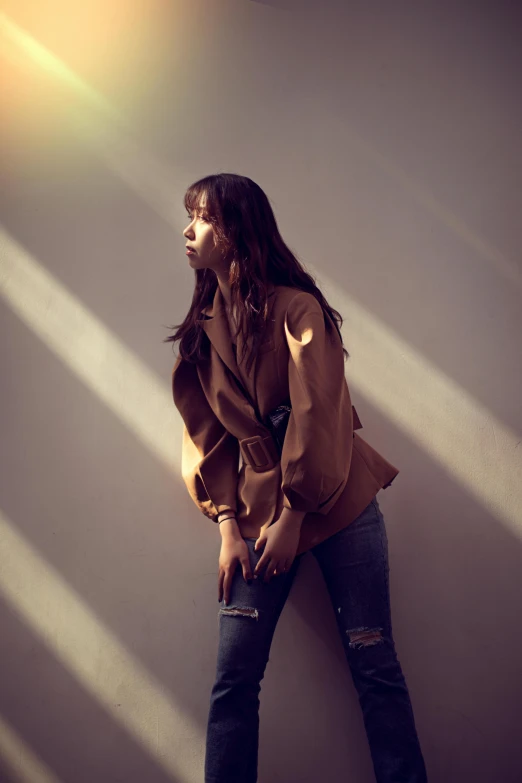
column 240, row 611
column 364, row 637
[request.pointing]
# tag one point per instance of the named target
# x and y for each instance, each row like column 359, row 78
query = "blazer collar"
column 217, row 306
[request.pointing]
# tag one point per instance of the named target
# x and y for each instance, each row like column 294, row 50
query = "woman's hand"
column 280, row 542
column 234, row 550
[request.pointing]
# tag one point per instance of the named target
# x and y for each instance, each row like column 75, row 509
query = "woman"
column 259, row 334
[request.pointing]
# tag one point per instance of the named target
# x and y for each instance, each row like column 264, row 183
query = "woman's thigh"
column 354, row 563
column 247, row 623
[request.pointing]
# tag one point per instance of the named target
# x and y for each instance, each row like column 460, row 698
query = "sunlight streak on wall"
column 91, row 651
column 104, row 128
column 441, row 417
column 17, row 43
column 135, row 394
column 21, row 759
column 98, row 124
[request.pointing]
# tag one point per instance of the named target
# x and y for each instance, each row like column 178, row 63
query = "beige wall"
column 387, row 138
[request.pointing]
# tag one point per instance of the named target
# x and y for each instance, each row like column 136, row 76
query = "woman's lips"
column 189, row 252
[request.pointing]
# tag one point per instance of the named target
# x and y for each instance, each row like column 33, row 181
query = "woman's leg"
column 246, row 629
column 354, row 563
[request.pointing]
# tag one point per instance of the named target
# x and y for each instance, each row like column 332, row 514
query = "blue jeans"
column 354, row 563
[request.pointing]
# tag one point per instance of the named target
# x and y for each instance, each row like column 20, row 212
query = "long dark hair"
column 245, row 228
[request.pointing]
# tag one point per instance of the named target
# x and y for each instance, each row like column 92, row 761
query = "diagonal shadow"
column 64, row 725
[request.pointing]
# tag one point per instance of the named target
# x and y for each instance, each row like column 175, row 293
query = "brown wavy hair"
column 245, row 227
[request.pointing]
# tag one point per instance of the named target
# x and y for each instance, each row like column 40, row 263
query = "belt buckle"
column 259, row 452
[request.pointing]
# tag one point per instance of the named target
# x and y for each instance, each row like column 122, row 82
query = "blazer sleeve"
column 210, row 454
column 317, row 448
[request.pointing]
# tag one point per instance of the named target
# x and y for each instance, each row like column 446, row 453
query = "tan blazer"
column 326, row 469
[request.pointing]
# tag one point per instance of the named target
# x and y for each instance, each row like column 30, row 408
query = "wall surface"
column 387, row 137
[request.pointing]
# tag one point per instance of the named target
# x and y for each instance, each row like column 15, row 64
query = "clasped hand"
column 279, row 543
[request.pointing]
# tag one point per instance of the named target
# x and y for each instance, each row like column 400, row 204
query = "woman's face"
column 200, row 237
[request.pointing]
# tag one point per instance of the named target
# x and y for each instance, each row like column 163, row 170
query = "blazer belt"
column 260, row 452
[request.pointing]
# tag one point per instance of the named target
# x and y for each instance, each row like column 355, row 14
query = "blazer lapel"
column 215, row 324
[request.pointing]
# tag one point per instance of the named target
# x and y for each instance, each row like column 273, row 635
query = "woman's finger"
column 284, row 567
column 260, row 543
column 247, row 568
column 262, row 562
column 227, row 584
column 272, row 565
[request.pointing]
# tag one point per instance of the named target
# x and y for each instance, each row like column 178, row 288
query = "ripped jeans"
column 354, row 563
